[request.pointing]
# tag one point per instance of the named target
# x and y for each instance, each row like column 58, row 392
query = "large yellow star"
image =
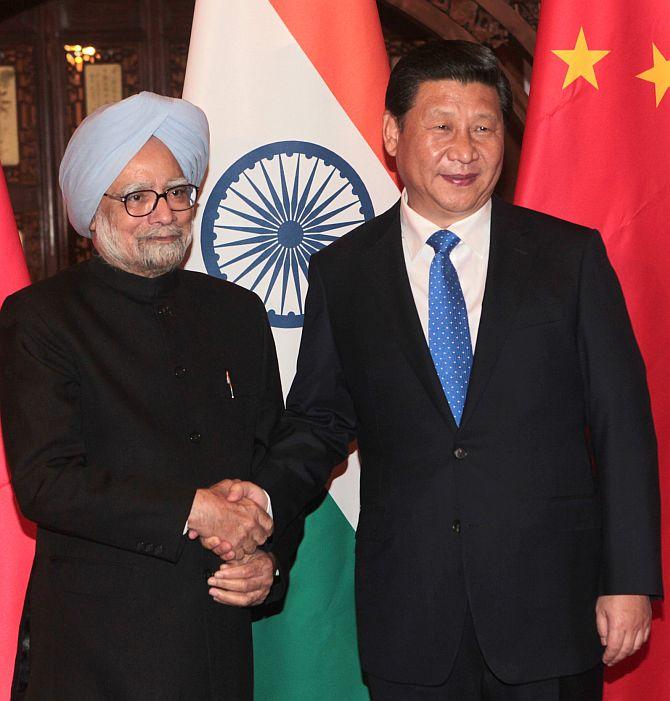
column 581, row 61
column 659, row 75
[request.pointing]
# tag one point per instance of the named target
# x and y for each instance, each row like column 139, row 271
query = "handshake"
column 231, row 520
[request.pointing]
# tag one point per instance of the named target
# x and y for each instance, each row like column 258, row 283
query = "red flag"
column 596, row 151
column 16, row 534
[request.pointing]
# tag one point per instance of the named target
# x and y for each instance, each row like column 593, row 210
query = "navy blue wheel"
column 270, row 211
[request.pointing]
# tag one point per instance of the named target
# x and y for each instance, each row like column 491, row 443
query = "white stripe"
column 257, row 86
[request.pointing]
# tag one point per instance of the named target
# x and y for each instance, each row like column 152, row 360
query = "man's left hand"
column 624, row 623
column 245, row 582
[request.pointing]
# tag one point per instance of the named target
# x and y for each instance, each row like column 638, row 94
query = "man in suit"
column 129, row 386
column 482, row 356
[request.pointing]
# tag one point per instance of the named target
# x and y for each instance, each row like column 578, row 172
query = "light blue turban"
column 106, row 140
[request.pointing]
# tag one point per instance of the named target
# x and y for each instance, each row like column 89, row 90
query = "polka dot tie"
column 448, row 330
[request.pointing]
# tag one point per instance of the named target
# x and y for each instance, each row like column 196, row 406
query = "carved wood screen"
column 149, row 39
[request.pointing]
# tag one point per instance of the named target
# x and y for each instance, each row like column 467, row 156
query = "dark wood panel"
column 28, row 223
column 24, row 180
column 22, row 58
column 110, row 15
column 13, row 13
column 178, row 17
column 176, row 60
column 150, row 39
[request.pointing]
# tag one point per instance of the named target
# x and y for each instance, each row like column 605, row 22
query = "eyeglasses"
column 143, row 202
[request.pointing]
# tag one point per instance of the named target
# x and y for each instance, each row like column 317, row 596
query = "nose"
column 462, row 148
column 162, row 214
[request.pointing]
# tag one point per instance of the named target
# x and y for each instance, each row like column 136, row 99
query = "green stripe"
column 308, row 652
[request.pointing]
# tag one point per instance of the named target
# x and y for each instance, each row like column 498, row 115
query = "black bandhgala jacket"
column 116, row 407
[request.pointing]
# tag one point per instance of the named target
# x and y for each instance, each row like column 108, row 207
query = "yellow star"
column 580, row 61
column 659, row 75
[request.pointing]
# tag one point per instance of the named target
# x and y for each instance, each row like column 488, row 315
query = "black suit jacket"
column 115, row 409
column 544, row 498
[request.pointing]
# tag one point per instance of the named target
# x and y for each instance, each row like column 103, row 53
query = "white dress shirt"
column 470, row 257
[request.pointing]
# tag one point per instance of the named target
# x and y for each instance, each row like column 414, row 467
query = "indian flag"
column 294, row 93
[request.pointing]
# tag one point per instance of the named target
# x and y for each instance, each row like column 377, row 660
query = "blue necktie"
column 448, row 330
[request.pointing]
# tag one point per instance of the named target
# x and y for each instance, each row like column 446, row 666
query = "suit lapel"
column 396, row 304
column 510, row 261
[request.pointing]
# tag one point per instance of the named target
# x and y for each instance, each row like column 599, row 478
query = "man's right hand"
column 235, row 489
column 230, row 528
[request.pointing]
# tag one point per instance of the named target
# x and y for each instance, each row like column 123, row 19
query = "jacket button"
column 179, row 371
column 456, row 526
column 149, row 548
column 158, row 550
column 460, row 453
column 140, row 546
column 195, row 437
column 164, row 310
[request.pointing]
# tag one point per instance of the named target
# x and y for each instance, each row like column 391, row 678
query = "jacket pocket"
column 574, row 512
column 538, row 315
column 93, row 577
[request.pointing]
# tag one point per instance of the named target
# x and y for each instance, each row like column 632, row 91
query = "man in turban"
column 128, row 386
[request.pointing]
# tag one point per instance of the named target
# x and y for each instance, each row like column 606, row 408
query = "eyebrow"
column 133, row 187
column 139, row 185
column 176, row 181
column 441, row 112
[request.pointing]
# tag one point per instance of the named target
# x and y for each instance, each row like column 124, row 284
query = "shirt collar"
column 474, row 230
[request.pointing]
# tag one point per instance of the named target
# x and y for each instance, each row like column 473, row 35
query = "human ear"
column 390, row 132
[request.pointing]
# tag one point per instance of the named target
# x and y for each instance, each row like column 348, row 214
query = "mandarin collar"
column 137, row 286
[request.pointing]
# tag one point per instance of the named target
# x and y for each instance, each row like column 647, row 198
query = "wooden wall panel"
column 113, row 16
column 150, row 38
column 24, row 179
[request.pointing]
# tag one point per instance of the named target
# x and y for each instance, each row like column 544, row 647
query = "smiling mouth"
column 168, row 238
column 461, row 180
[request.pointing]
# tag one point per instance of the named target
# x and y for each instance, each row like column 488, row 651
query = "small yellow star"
column 581, row 61
column 659, row 75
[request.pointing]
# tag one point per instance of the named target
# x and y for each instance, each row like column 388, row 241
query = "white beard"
column 141, row 255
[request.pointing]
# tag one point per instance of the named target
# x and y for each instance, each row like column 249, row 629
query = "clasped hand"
column 231, row 519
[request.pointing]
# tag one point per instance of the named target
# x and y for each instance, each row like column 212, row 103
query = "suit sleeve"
column 54, row 483
column 320, row 422
column 283, row 545
column 621, row 431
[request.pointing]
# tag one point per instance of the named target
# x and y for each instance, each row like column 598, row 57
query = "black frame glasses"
column 157, row 196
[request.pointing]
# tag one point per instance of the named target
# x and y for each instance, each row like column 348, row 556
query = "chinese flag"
column 597, row 151
column 16, row 535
